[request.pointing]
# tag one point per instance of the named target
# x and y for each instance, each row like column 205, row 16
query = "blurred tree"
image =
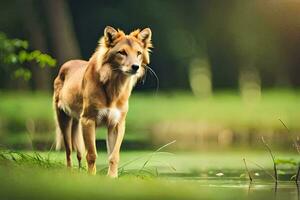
column 14, row 54
column 230, row 35
column 61, row 30
column 283, row 18
column 37, row 38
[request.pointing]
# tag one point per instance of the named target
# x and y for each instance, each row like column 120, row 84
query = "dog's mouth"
column 126, row 72
column 130, row 72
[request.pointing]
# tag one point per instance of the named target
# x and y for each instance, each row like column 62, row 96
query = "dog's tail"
column 58, row 134
column 58, row 84
column 77, row 137
column 58, row 139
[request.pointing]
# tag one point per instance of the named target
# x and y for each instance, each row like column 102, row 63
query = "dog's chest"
column 109, row 116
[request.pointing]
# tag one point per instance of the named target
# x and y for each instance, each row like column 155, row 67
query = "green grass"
column 225, row 108
column 166, row 162
column 19, row 110
column 42, row 184
column 31, row 175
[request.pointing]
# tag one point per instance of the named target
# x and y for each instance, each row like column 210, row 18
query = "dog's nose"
column 135, row 67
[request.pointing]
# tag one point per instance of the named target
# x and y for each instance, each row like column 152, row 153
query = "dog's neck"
column 118, row 86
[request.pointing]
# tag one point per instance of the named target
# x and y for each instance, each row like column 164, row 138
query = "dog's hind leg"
column 64, row 123
column 77, row 140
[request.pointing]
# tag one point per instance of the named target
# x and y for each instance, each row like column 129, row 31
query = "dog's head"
column 126, row 54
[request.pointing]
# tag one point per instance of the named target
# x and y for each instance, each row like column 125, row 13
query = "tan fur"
column 96, row 92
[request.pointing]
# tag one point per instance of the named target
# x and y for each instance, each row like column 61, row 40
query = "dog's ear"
column 145, row 36
column 110, row 34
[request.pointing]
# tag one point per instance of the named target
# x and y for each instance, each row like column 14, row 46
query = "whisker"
column 155, row 75
column 144, row 76
column 151, row 71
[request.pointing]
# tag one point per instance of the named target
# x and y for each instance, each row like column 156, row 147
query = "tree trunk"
column 61, row 30
column 37, row 40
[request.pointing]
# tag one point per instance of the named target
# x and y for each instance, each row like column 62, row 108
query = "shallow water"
column 259, row 189
column 231, row 184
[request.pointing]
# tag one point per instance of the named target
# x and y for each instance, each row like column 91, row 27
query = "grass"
column 224, row 107
column 22, row 111
column 35, row 175
column 37, row 184
column 175, row 163
column 28, row 159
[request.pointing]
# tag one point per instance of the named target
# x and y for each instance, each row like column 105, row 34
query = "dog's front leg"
column 115, row 138
column 88, row 130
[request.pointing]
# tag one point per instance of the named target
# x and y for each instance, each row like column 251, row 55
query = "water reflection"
column 257, row 189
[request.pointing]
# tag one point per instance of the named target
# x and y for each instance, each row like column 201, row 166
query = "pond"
column 242, row 189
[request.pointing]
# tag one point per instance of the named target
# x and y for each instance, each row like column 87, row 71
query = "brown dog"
column 96, row 92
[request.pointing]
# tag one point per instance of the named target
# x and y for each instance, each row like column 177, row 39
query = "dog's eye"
column 122, row 52
column 139, row 53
